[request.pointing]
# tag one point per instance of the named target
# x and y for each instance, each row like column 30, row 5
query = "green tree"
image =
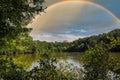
column 46, row 70
column 9, row 70
column 95, row 63
column 14, row 15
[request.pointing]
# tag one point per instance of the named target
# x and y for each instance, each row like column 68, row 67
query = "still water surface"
column 30, row 60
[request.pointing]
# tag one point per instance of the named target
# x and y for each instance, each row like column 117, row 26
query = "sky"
column 73, row 19
column 112, row 5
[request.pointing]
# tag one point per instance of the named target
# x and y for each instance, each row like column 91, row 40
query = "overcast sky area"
column 72, row 20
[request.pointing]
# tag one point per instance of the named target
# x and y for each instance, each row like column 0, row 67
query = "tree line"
column 14, row 38
column 83, row 44
column 28, row 45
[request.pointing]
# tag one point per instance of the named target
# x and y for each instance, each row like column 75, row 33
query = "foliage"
column 9, row 70
column 114, row 65
column 14, row 15
column 70, row 71
column 14, row 38
column 97, row 62
column 81, row 45
column 25, row 44
column 47, row 70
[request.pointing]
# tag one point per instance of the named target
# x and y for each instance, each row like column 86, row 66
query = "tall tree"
column 14, row 15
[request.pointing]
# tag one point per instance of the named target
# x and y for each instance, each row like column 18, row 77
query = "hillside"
column 81, row 45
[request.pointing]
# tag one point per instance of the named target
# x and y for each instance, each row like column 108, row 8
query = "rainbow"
column 83, row 1
column 89, row 2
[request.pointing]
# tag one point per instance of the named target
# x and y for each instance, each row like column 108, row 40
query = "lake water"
column 30, row 60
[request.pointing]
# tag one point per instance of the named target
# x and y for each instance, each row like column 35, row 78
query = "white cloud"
column 69, row 21
column 83, row 31
column 58, row 37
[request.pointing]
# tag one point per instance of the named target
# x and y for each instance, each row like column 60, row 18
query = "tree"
column 14, row 15
column 9, row 70
column 95, row 63
column 46, row 70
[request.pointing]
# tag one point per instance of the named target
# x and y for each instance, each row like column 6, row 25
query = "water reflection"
column 30, row 60
column 63, row 59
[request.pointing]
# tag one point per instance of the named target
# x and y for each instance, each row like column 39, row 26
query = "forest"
column 31, row 46
column 15, row 39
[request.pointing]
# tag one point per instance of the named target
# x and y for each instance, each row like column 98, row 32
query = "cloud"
column 58, row 37
column 68, row 20
column 83, row 31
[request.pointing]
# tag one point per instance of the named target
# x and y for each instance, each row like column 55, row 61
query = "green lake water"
column 30, row 60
